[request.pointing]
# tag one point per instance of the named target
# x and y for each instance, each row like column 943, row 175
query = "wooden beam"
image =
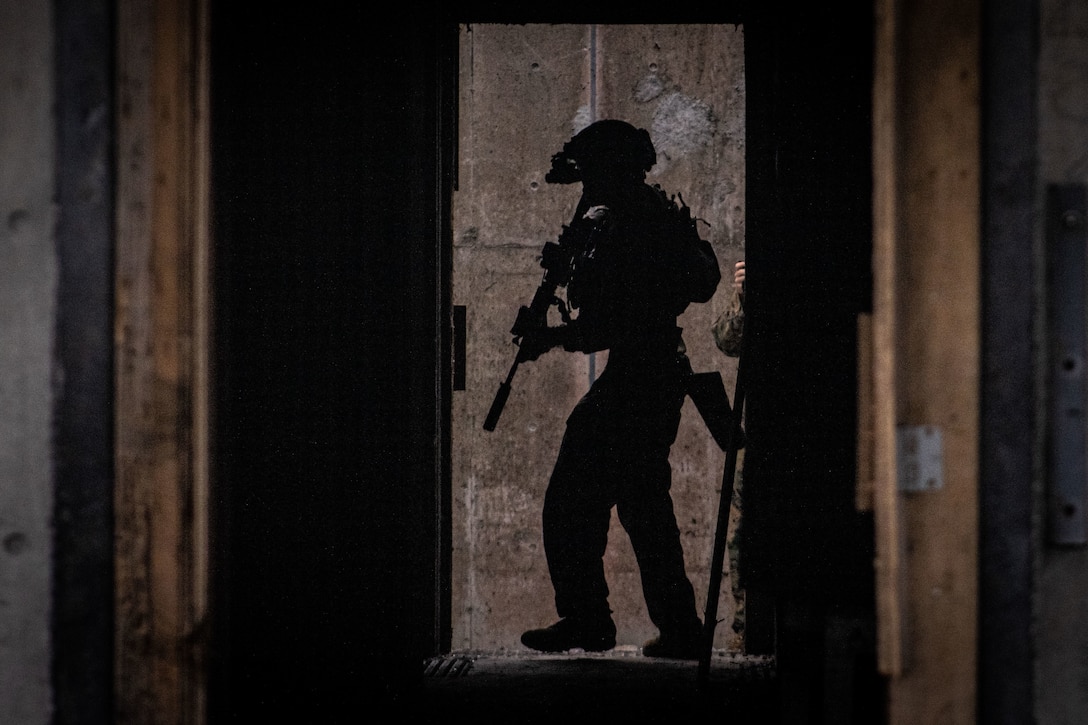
column 161, row 376
column 886, row 504
column 926, row 357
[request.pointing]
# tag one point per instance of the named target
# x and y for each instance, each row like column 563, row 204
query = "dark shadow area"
column 328, row 341
column 806, row 550
column 577, row 688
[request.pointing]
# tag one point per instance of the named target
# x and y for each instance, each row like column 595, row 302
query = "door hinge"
column 919, row 458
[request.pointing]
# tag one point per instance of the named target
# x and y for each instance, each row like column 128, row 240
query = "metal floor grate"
column 449, row 666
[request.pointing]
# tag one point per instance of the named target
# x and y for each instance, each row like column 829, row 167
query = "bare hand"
column 738, row 276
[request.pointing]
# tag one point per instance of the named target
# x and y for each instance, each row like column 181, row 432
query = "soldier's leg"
column 576, row 516
column 646, row 512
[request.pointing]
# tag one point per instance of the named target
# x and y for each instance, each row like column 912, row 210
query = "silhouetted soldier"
column 644, row 263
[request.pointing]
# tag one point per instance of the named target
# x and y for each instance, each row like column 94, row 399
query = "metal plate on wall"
column 1067, row 473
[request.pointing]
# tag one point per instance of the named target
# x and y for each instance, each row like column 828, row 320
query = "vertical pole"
column 710, row 616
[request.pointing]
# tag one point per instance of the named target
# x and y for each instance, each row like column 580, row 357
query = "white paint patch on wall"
column 682, row 125
column 582, row 118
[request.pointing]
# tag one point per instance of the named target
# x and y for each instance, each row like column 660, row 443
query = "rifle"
column 559, row 260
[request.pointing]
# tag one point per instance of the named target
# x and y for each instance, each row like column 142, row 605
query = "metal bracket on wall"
column 1067, row 472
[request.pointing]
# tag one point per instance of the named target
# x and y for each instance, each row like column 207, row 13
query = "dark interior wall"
column 1010, row 90
column 82, row 596
column 806, row 552
column 328, row 435
column 808, row 246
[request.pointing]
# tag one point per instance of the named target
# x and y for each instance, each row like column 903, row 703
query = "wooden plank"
column 161, row 338
column 886, row 504
column 926, row 320
column 939, row 373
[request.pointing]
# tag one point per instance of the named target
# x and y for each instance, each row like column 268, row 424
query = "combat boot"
column 679, row 645
column 592, row 635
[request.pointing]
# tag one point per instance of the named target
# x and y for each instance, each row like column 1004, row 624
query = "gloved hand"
column 538, row 342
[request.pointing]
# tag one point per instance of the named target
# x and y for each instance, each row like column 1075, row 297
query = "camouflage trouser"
column 736, row 520
column 728, row 329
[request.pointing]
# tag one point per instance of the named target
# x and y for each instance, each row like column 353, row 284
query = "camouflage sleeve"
column 729, row 327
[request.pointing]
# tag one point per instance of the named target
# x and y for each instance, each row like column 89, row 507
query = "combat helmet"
column 611, row 144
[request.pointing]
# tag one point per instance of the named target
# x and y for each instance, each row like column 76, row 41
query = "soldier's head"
column 609, row 150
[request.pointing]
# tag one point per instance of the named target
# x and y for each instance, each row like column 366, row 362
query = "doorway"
column 524, row 90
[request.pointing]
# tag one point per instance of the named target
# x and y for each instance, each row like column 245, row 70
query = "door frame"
column 162, row 332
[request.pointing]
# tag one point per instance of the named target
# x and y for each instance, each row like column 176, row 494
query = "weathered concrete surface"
column 27, row 302
column 525, row 89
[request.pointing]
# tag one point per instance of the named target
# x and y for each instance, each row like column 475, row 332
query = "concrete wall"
column 28, row 278
column 524, row 90
column 1062, row 573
